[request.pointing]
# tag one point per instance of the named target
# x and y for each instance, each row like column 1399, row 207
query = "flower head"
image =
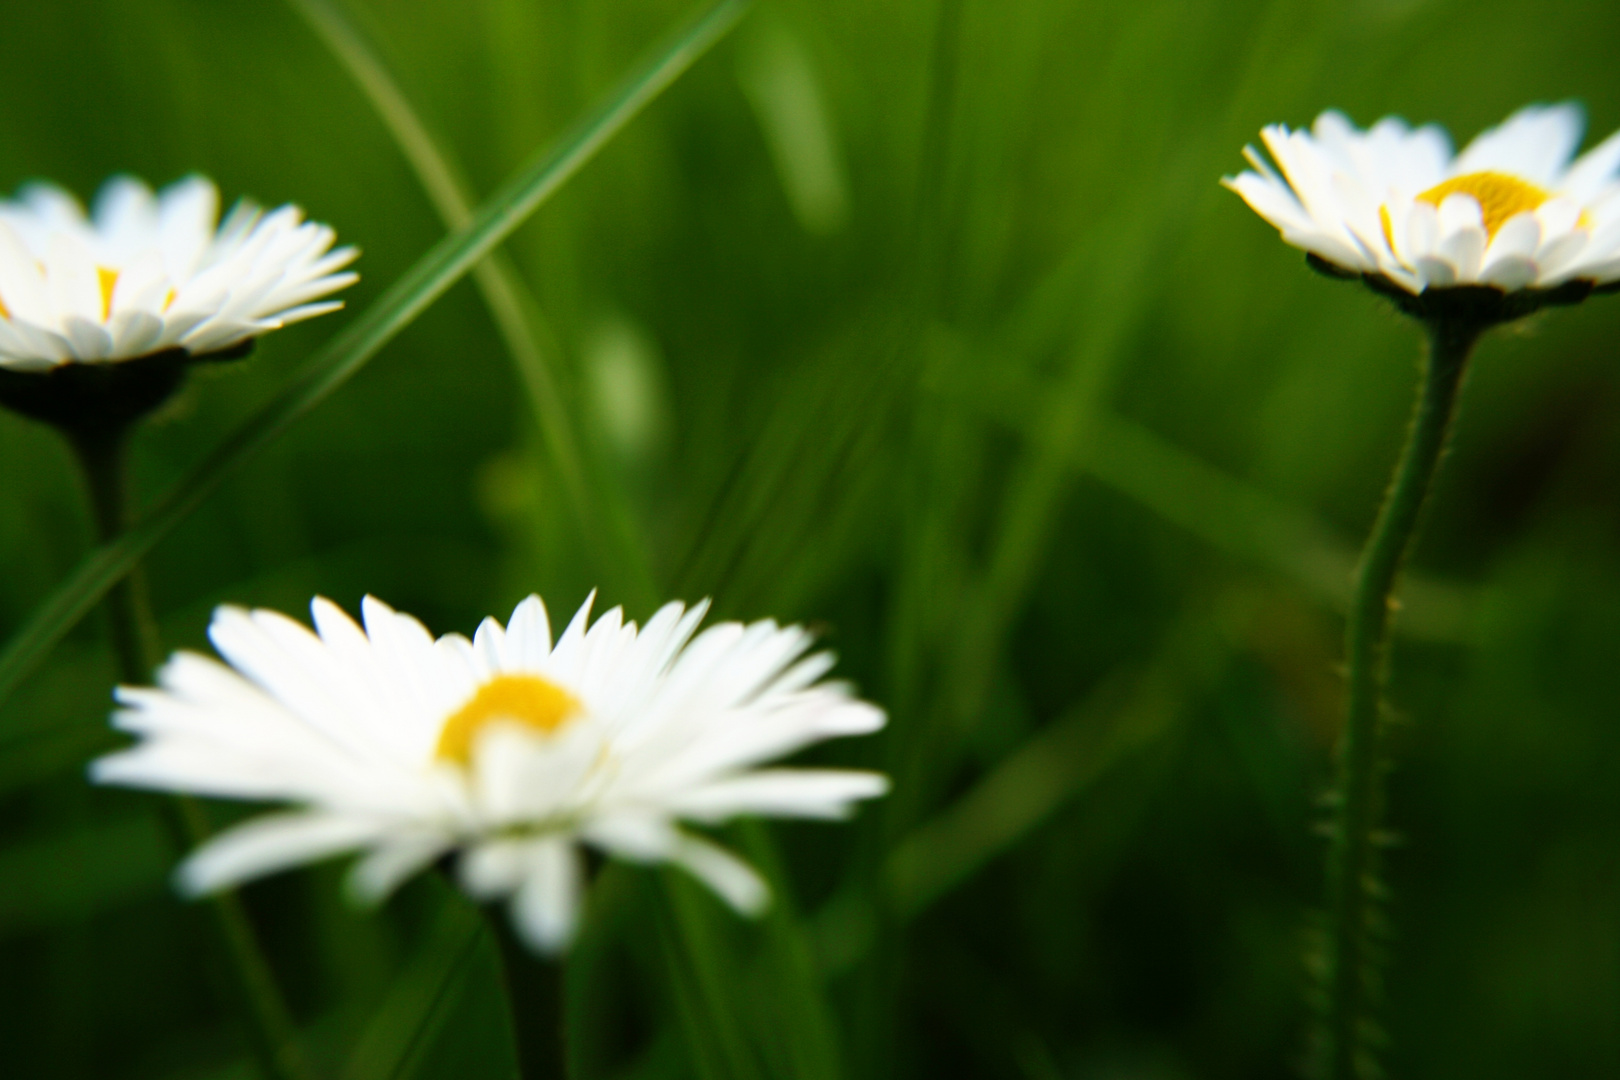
column 1393, row 204
column 145, row 273
column 509, row 750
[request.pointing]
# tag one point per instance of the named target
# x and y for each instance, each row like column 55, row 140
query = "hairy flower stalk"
column 1461, row 243
column 1358, row 804
column 100, row 318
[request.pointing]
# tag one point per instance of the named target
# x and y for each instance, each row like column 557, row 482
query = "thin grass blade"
column 715, row 1037
column 512, row 306
column 424, row 283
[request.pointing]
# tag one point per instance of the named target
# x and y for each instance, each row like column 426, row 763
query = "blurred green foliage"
column 926, row 322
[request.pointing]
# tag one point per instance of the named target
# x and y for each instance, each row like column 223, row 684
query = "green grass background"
column 926, row 322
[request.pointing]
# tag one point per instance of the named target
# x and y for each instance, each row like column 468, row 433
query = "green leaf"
column 701, row 985
column 420, row 286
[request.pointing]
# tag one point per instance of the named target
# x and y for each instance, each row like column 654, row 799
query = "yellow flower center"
column 1499, row 195
column 108, row 280
column 529, row 700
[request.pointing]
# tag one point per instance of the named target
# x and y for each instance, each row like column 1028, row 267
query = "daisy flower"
column 509, row 751
column 1514, row 211
column 145, row 273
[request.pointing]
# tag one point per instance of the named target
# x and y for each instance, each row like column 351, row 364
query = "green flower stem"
column 534, row 998
column 101, row 457
column 1352, row 970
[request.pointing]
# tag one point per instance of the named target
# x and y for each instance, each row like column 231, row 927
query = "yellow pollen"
column 5, row 312
column 529, row 700
column 108, row 280
column 168, row 298
column 1500, row 196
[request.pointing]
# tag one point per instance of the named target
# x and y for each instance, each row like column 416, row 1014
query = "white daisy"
column 1511, row 211
column 145, row 273
column 508, row 750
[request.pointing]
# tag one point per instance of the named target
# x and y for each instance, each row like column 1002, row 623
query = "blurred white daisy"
column 1513, row 210
column 508, row 750
column 145, row 273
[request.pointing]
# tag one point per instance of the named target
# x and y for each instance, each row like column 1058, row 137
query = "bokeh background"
column 925, row 322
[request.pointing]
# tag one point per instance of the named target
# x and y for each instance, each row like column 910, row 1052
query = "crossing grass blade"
column 511, row 304
column 334, row 365
column 803, row 1030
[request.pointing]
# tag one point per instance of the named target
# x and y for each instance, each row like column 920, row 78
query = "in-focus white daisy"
column 508, row 750
column 145, row 273
column 1513, row 210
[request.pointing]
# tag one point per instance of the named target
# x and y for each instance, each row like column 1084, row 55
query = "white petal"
column 459, row 672
column 280, row 300
column 1423, row 230
column 529, row 634
column 406, row 659
column 1519, row 235
column 1593, row 170
column 1603, row 272
column 72, row 285
column 1536, row 143
column 380, row 871
column 491, row 869
column 1604, row 244
column 1459, row 211
column 142, row 286
column 42, row 343
column 489, row 642
column 125, row 214
column 809, row 793
column 545, row 909
column 741, row 740
column 295, row 668
column 270, row 843
column 210, row 732
column 566, row 654
column 1562, row 256
column 1511, row 273
column 734, row 880
column 1405, row 278
column 309, row 311
column 1464, row 250
column 1335, row 250
column 54, row 210
column 17, row 354
column 22, row 290
column 1557, row 217
column 1435, row 271
column 187, row 210
column 1510, row 262
column 521, row 776
column 651, row 839
column 212, row 290
column 1270, row 199
column 90, row 341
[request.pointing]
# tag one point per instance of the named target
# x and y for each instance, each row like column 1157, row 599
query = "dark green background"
column 1055, row 442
